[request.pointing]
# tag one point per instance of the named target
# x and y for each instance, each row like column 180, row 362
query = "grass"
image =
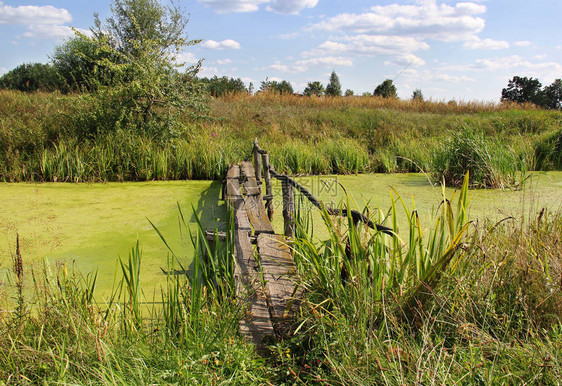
column 43, row 137
column 490, row 163
column 378, row 309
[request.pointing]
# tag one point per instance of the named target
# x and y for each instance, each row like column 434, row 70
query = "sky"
column 451, row 50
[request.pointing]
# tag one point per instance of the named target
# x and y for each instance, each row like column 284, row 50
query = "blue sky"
column 463, row 50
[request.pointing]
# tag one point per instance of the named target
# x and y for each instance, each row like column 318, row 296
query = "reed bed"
column 54, row 137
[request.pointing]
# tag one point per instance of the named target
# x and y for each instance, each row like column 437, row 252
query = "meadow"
column 467, row 291
column 52, row 137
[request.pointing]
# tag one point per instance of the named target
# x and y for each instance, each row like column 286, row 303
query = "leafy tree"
column 282, row 87
column 220, row 86
column 522, row 90
column 349, row 92
column 417, row 95
column 314, row 89
column 76, row 63
column 136, row 50
column 334, row 86
column 553, row 94
column 386, row 89
column 31, row 77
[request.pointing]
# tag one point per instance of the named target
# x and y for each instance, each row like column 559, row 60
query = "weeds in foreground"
column 489, row 314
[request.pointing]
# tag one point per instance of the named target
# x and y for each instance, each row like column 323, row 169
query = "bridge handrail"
column 289, row 182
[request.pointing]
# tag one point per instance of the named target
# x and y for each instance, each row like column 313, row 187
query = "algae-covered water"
column 89, row 226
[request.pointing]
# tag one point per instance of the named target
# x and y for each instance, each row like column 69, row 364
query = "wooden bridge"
column 265, row 271
column 266, row 274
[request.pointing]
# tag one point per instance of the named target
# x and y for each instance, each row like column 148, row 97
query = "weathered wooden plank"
column 233, row 172
column 280, row 278
column 257, row 215
column 249, row 183
column 212, row 235
column 235, row 200
column 256, row 325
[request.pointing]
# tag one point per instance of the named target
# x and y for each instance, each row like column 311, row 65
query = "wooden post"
column 288, row 208
column 257, row 161
column 268, row 187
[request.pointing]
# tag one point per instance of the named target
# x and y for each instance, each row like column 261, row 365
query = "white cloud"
column 45, row 31
column 208, row 72
column 306, row 64
column 225, row 44
column 486, row 44
column 226, row 6
column 224, row 61
column 427, row 19
column 522, row 43
column 30, row 14
column 509, row 66
column 328, row 61
column 187, row 57
column 288, row 68
column 437, row 75
column 290, row 7
column 399, row 48
column 3, row 71
column 42, row 22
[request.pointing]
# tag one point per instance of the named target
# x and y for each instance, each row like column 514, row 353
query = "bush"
column 32, row 77
column 548, row 153
column 490, row 163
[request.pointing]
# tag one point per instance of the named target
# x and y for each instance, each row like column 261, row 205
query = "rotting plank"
column 235, row 200
column 257, row 215
column 256, row 324
column 250, row 184
column 280, row 278
column 255, row 207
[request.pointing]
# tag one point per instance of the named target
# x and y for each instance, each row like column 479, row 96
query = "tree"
column 136, row 51
column 386, row 89
column 522, row 90
column 417, row 95
column 31, row 77
column 282, row 87
column 553, row 94
column 349, row 92
column 221, row 86
column 314, row 89
column 76, row 60
column 334, row 86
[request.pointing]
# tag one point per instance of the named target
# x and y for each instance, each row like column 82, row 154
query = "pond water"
column 89, row 226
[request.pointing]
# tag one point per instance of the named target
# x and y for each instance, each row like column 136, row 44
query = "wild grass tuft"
column 490, row 163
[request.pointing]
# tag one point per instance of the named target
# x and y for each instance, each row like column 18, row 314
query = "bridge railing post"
column 288, row 208
column 257, row 161
column 268, row 187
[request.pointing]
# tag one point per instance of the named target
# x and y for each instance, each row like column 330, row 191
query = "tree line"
column 130, row 62
column 529, row 90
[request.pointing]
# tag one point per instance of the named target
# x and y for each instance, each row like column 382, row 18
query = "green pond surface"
column 88, row 226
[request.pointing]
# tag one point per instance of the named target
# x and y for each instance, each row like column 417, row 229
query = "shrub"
column 490, row 163
column 548, row 153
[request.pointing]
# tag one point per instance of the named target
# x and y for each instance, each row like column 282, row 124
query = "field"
column 449, row 301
